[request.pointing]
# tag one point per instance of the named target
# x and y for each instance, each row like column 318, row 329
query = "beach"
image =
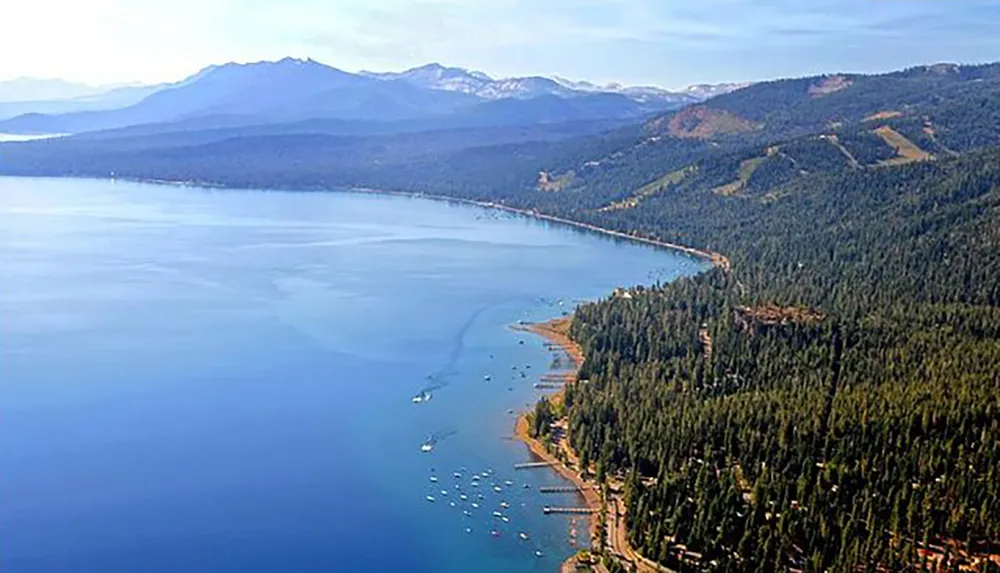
column 556, row 332
column 612, row 509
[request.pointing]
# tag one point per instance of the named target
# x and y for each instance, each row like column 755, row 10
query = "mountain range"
column 291, row 90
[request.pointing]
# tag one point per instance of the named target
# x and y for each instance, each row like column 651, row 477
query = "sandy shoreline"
column 556, row 331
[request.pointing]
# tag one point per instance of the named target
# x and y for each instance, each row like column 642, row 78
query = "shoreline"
column 717, row 259
column 556, row 332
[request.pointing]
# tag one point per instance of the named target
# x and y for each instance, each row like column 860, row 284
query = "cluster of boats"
column 472, row 500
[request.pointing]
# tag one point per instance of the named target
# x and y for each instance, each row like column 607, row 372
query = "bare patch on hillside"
column 747, row 167
column 702, row 122
column 828, row 85
column 942, row 68
column 906, row 150
column 773, row 315
column 648, row 190
column 888, row 114
column 550, row 183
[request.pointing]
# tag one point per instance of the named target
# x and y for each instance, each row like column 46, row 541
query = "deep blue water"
column 218, row 381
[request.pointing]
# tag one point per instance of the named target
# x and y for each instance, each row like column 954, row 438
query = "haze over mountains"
column 292, row 90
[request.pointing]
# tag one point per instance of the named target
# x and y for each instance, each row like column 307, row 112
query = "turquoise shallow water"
column 203, row 380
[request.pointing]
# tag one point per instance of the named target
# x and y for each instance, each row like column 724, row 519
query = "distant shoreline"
column 716, row 259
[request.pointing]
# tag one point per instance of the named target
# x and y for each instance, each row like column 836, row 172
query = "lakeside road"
column 556, row 332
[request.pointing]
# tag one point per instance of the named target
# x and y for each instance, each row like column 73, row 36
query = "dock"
column 529, row 465
column 549, row 385
column 555, row 376
column 581, row 510
column 558, row 489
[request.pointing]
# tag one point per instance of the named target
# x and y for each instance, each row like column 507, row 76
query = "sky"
column 670, row 43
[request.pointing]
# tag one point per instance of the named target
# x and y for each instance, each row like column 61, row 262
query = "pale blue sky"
column 670, row 43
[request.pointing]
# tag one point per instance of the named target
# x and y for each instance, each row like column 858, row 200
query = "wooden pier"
column 529, row 465
column 558, row 489
column 549, row 385
column 581, row 510
column 555, row 376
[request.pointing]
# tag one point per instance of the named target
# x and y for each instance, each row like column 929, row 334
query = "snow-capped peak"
column 440, row 77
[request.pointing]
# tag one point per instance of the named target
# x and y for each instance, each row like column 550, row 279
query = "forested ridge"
column 848, row 415
column 828, row 402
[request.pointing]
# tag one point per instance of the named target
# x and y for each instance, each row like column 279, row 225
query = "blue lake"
column 203, row 380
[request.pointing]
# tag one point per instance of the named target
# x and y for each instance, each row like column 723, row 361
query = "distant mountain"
column 293, row 90
column 706, row 91
column 438, row 77
column 261, row 92
column 113, row 99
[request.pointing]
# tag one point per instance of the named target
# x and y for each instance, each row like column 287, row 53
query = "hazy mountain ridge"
column 294, row 90
column 26, row 89
column 439, row 77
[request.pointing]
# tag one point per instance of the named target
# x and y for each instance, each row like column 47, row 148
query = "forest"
column 846, row 415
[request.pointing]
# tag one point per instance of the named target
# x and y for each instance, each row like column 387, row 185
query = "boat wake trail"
column 438, row 379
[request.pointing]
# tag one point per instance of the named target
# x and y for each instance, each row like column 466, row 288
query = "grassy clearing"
column 649, row 190
column 907, row 151
column 747, row 167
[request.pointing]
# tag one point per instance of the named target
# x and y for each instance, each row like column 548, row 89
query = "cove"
column 223, row 380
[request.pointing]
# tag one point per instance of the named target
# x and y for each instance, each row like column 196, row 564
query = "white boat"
column 433, row 479
column 504, row 504
column 475, row 505
column 497, row 514
column 430, row 498
column 463, row 497
column 487, row 377
column 523, row 536
column 426, row 447
column 505, row 519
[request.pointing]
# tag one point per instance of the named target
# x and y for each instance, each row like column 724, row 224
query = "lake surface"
column 221, row 381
